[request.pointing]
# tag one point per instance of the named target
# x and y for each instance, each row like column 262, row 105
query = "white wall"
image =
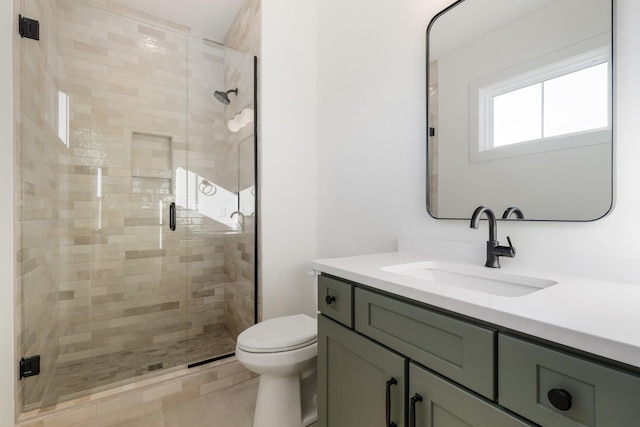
column 371, row 122
column 287, row 174
column 8, row 370
column 371, row 145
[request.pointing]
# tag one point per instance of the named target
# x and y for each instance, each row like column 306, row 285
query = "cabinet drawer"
column 435, row 402
column 599, row 396
column 335, row 299
column 454, row 348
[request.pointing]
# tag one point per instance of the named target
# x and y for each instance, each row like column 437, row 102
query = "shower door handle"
column 172, row 216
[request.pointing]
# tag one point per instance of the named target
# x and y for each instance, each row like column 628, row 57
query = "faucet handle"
column 512, row 250
column 508, row 251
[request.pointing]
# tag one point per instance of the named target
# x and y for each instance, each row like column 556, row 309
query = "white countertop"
column 596, row 316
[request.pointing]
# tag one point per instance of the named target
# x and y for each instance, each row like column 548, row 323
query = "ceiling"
column 211, row 17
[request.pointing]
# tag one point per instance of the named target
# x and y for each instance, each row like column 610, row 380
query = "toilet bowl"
column 283, row 352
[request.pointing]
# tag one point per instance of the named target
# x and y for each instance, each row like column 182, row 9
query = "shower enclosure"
column 137, row 201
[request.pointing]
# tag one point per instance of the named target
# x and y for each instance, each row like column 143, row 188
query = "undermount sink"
column 481, row 279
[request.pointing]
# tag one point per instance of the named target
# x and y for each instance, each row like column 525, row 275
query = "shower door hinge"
column 29, row 366
column 29, row 28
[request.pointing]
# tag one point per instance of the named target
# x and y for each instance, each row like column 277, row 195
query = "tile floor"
column 230, row 407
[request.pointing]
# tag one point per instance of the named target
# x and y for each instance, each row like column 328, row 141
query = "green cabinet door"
column 357, row 380
column 435, row 402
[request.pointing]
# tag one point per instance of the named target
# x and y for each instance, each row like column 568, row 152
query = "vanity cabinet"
column 365, row 372
column 386, row 361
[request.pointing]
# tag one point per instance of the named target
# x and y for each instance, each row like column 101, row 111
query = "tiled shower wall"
column 244, row 34
column 433, row 140
column 103, row 276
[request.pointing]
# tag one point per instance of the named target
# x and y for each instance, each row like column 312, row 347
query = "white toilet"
column 283, row 351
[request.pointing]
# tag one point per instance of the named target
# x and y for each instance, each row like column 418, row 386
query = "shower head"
column 223, row 97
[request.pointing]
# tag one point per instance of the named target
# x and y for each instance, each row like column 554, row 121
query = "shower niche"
column 151, row 164
column 119, row 123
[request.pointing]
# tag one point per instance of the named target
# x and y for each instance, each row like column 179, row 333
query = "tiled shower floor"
column 81, row 377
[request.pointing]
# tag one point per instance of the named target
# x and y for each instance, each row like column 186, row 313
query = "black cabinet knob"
column 560, row 399
column 329, row 299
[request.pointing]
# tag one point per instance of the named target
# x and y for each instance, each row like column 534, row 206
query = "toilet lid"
column 279, row 334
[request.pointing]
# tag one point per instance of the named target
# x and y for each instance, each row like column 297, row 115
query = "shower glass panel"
column 119, row 128
column 221, row 231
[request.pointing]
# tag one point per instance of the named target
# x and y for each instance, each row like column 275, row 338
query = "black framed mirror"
column 520, row 109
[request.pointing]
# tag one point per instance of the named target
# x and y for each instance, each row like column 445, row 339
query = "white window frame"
column 481, row 93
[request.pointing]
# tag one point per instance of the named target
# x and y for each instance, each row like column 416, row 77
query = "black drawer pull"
column 560, row 399
column 329, row 299
column 412, row 409
column 391, row 382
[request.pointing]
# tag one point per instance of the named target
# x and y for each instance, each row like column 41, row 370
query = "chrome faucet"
column 494, row 250
column 513, row 210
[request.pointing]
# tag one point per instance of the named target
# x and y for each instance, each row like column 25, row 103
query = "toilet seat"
column 279, row 334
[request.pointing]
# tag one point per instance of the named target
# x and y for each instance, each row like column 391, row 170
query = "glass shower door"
column 104, row 274
column 137, row 214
